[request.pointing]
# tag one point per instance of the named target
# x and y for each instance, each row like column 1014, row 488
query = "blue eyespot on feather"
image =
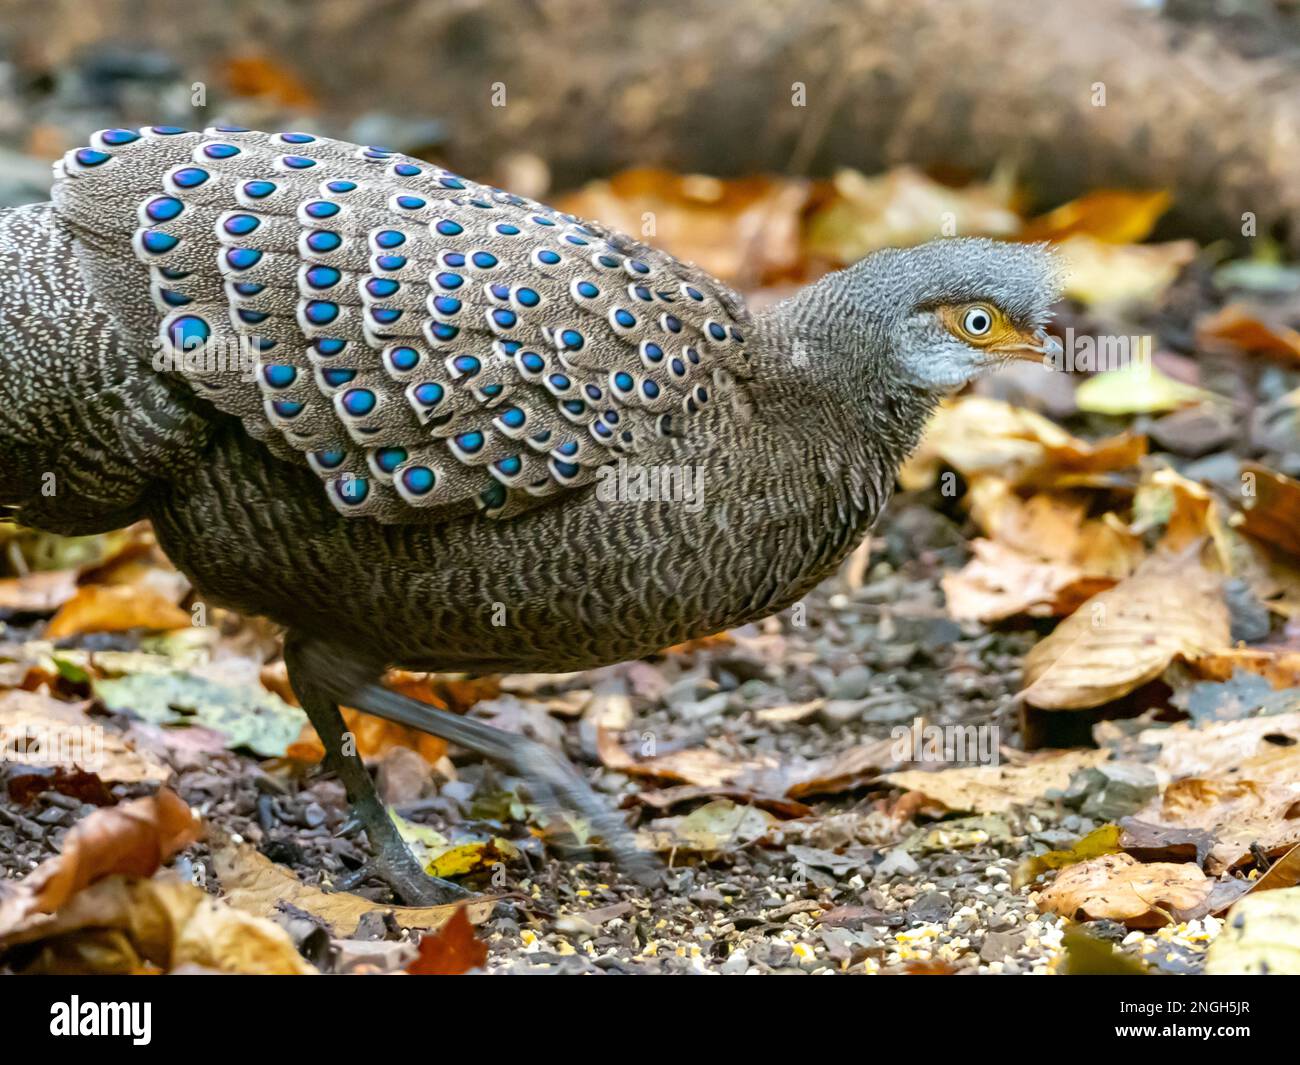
column 156, row 243
column 240, row 225
column 323, row 277
column 117, row 137
column 418, row 480
column 404, row 359
column 279, row 376
column 359, row 401
column 321, row 312
column 389, row 458
column 220, row 151
column 259, row 190
column 188, row 331
column 164, row 208
column 189, row 177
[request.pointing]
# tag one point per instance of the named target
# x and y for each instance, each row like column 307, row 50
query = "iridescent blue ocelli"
column 297, row 162
column 321, row 312
column 91, row 157
column 188, row 331
column 382, row 287
column 259, row 190
column 322, row 209
column 189, row 177
column 164, row 208
column 323, row 277
column 429, row 394
column 418, row 480
column 279, row 376
column 240, row 225
column 220, row 151
column 389, row 458
column 116, row 137
column 156, row 243
column 404, row 359
column 352, row 491
column 323, row 240
column 341, row 186
column 338, row 378
column 359, row 401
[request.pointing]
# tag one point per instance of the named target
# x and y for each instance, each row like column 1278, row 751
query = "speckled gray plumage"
column 796, row 457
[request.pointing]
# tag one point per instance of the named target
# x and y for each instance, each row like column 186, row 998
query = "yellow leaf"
column 1116, row 216
column 1139, row 388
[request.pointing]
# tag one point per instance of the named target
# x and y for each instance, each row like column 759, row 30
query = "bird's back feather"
column 426, row 344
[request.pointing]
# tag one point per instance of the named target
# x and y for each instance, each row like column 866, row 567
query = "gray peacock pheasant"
column 388, row 408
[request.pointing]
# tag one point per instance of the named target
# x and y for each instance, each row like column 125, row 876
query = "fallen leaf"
column 115, row 608
column 1254, row 804
column 1138, row 388
column 1117, row 216
column 977, row 436
column 715, row 828
column 902, row 207
column 55, row 733
column 1000, row 582
column 1260, row 936
column 247, row 714
column 1221, row 746
column 997, row 789
column 135, row 838
column 444, row 858
column 746, row 229
column 1242, row 328
column 1098, row 273
column 1118, row 887
column 252, row 882
column 450, row 951
column 1128, row 635
column 41, row 592
column 1270, row 507
column 126, row 924
column 1103, row 840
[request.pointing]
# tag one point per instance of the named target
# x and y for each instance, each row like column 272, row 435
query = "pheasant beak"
column 1039, row 346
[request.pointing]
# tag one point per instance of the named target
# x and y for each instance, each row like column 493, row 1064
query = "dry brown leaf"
column 41, row 592
column 1240, row 327
column 1271, row 507
column 1128, row 635
column 256, row 75
column 450, row 951
column 252, row 882
column 115, row 608
column 1221, row 746
column 745, row 230
column 1054, row 527
column 903, row 207
column 1118, row 887
column 988, row 789
column 1117, row 216
column 126, row 924
column 1257, row 802
column 101, row 751
column 978, row 436
column 1000, row 582
column 840, row 772
column 135, row 838
column 698, row 766
column 1281, row 668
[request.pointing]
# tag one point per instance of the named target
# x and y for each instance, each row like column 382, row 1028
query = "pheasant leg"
column 551, row 781
column 393, row 862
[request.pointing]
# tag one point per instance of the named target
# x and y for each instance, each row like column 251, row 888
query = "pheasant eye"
column 977, row 321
